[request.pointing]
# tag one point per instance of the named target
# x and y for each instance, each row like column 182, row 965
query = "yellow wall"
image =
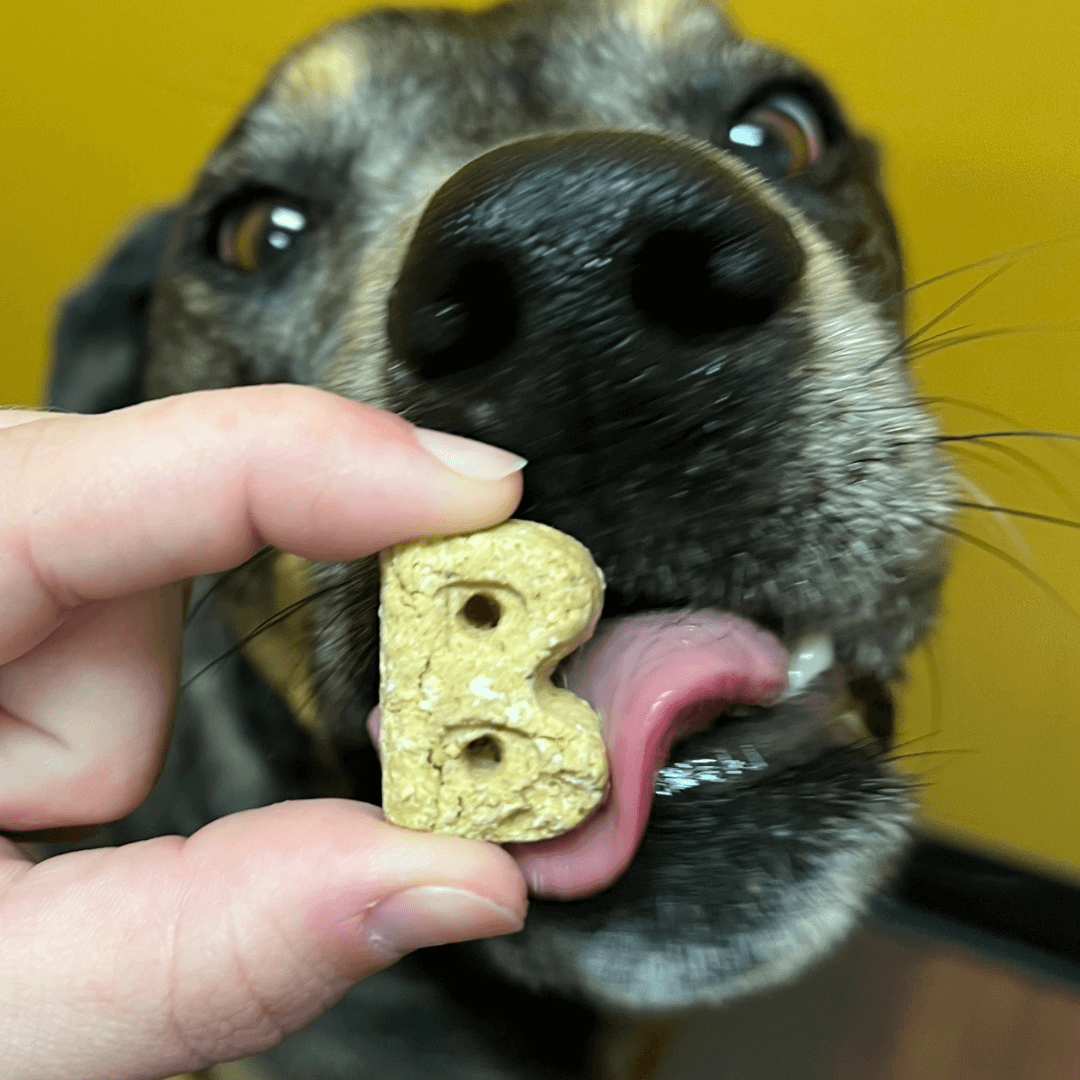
column 108, row 107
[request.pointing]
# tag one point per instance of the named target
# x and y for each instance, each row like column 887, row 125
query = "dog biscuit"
column 476, row 741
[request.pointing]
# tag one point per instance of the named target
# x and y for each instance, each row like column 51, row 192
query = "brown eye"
column 783, row 136
column 256, row 234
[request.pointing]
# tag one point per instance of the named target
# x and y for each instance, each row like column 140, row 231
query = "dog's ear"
column 101, row 336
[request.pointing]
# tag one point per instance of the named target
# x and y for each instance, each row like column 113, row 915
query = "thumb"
column 172, row 954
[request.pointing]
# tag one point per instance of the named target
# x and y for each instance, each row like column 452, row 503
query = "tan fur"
column 668, row 22
column 281, row 652
column 323, row 73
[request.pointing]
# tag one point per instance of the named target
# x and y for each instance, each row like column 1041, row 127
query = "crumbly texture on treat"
column 476, row 741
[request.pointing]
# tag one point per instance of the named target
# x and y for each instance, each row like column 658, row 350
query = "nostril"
column 695, row 283
column 469, row 321
column 439, row 326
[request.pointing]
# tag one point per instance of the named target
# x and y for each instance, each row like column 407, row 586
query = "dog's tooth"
column 810, row 657
column 849, row 726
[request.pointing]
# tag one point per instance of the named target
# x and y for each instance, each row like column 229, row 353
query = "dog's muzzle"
column 617, row 306
column 634, row 260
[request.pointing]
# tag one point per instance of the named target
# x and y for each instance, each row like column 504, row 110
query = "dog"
column 654, row 258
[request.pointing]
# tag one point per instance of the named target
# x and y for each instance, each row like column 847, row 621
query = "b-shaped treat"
column 476, row 741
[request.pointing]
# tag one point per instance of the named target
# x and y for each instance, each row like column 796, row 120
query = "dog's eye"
column 782, row 136
column 252, row 236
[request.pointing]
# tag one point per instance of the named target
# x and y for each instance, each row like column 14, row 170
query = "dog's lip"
column 758, row 742
column 657, row 679
column 654, row 679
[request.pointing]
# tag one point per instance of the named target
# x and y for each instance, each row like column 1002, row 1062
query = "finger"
column 12, row 415
column 83, row 715
column 169, row 955
column 96, row 507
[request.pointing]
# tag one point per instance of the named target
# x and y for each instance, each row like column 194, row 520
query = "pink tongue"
column 652, row 679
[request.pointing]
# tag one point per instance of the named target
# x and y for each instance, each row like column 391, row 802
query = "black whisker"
column 1006, row 256
column 1009, row 560
column 902, row 746
column 945, row 333
column 223, row 579
column 934, row 753
column 1066, row 522
column 926, row 772
column 980, row 452
column 265, row 625
column 1024, row 460
column 979, row 436
column 904, row 408
column 952, row 338
column 936, row 697
column 902, row 346
column 973, row 406
column 958, row 303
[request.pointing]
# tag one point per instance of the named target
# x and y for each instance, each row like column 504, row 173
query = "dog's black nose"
column 603, row 245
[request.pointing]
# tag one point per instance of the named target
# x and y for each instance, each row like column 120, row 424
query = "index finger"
column 98, row 507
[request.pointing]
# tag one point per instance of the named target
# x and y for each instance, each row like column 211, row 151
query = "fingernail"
column 469, row 457
column 436, row 915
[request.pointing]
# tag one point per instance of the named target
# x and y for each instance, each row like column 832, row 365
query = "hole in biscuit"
column 483, row 753
column 482, row 612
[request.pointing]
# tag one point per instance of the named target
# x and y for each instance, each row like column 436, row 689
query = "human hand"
column 165, row 956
